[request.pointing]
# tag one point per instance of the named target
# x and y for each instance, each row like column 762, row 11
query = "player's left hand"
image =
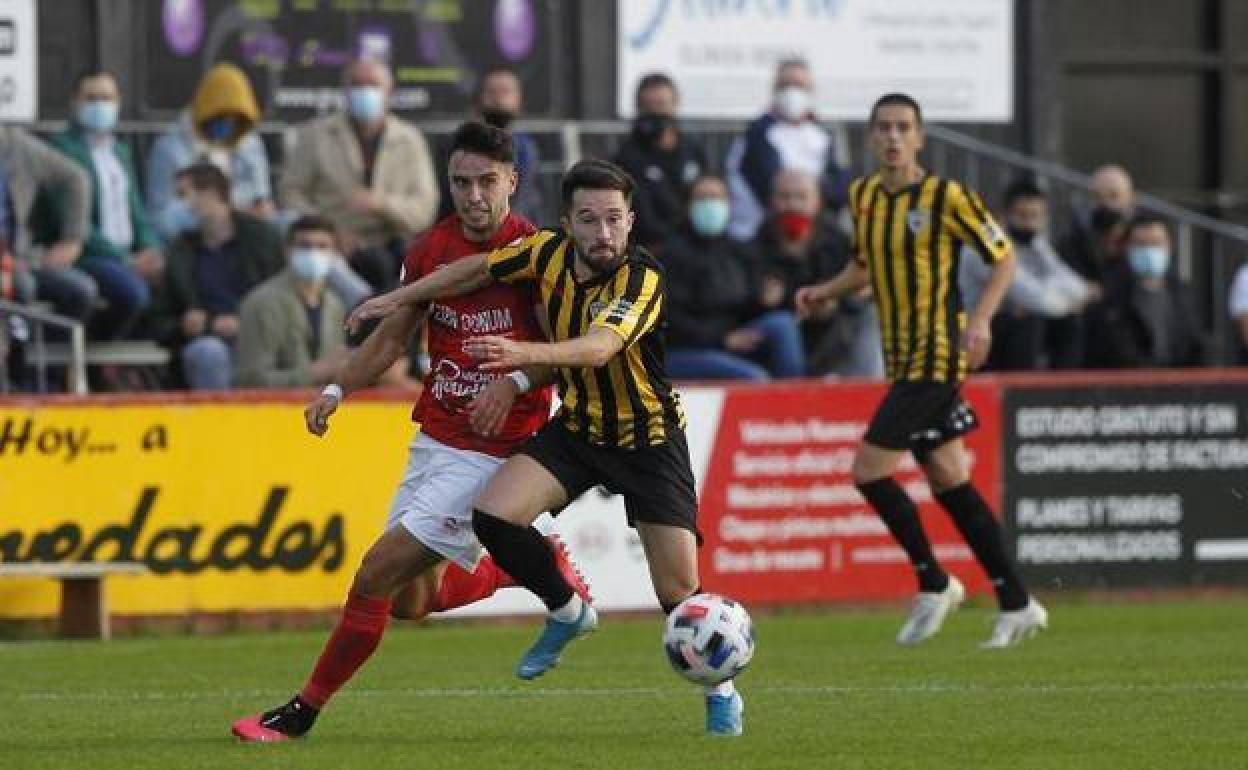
column 488, row 411
column 977, row 341
column 496, row 352
column 377, row 307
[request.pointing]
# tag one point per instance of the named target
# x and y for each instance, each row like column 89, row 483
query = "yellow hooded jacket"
column 225, row 90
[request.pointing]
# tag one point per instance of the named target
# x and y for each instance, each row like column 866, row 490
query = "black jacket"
column 710, row 289
column 1131, row 327
column 663, row 182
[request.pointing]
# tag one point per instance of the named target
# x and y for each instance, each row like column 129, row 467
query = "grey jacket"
column 31, row 166
column 273, row 335
column 1043, row 283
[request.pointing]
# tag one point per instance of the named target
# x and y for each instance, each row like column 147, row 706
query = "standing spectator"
column 500, row 101
column 290, row 328
column 121, row 251
column 367, row 172
column 219, row 126
column 1112, row 200
column 786, row 137
column 717, row 328
column 1044, row 288
column 795, row 247
column 211, row 268
column 1146, row 319
column 663, row 161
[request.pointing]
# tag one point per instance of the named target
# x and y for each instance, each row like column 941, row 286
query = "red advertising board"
column 782, row 519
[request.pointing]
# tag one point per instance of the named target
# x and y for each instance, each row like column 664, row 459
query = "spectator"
column 717, row 328
column 786, row 137
column 28, row 168
column 211, row 268
column 797, row 247
column 1112, row 196
column 663, row 161
column 121, row 251
column 366, row 171
column 1146, row 319
column 500, row 101
column 1044, row 287
column 1238, row 308
column 219, row 126
column 290, row 328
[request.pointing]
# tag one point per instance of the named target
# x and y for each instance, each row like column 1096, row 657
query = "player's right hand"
column 378, row 307
column 488, row 411
column 316, row 414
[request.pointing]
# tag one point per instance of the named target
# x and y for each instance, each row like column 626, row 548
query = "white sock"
column 723, row 688
column 569, row 612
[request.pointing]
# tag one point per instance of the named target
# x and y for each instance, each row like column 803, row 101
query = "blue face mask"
column 310, row 265
column 220, row 129
column 181, row 217
column 1148, row 261
column 367, row 104
column 709, row 216
column 98, row 117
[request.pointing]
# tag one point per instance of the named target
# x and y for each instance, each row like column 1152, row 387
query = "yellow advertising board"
column 231, row 504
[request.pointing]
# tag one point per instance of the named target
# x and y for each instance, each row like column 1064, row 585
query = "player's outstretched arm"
column 977, row 339
column 592, row 349
column 811, row 300
column 462, row 276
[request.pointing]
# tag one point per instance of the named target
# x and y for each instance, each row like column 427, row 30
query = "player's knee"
column 944, row 473
column 377, row 575
column 864, row 471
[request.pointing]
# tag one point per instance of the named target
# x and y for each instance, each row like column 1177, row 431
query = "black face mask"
column 497, row 116
column 1021, row 234
column 1104, row 218
column 650, row 127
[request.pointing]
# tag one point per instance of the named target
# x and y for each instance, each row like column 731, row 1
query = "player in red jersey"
column 429, row 559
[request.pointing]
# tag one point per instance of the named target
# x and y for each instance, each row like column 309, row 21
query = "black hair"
column 1144, row 219
column 1021, row 189
column 896, row 100
column 311, row 223
column 595, row 175
column 203, row 175
column 483, row 139
column 655, row 80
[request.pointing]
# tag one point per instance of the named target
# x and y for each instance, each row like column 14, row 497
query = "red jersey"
column 454, row 379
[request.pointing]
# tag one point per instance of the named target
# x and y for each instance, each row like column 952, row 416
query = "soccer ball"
column 709, row 639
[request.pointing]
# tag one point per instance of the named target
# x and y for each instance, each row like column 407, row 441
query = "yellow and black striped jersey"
column 910, row 242
column 628, row 403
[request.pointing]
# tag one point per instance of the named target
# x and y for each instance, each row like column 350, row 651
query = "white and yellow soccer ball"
column 709, row 639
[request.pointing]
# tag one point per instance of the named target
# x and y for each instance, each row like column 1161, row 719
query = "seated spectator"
column 717, row 328
column 796, row 247
column 663, row 161
column 290, row 331
column 121, row 251
column 1237, row 306
column 1044, row 286
column 213, row 264
column 1146, row 319
column 367, row 172
column 218, row 126
column 787, row 136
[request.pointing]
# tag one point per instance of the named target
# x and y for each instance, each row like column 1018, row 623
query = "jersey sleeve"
column 416, row 260
column 636, row 310
column 517, row 262
column 975, row 226
column 855, row 218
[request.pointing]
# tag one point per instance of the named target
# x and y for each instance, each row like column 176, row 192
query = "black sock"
column 667, row 608
column 895, row 507
column 982, row 533
column 524, row 554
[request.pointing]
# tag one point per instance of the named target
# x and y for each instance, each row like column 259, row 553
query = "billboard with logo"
column 956, row 56
column 19, row 79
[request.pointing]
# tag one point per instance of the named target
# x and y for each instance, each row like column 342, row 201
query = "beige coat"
column 273, row 335
column 326, row 164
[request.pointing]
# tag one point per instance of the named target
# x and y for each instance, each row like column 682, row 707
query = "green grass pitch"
column 1115, row 685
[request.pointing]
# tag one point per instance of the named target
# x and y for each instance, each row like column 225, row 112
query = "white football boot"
column 929, row 611
column 1013, row 627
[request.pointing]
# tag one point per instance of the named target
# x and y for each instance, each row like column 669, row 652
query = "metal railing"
column 76, row 376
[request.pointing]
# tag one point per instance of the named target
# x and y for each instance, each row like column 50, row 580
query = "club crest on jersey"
column 918, row 219
column 596, row 307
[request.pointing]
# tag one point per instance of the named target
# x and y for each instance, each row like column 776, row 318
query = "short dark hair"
column 483, row 139
column 654, row 80
column 311, row 223
column 595, row 175
column 896, row 100
column 206, row 176
column 1144, row 219
column 1021, row 189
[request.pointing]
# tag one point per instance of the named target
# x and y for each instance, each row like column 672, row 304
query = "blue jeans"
column 125, row 292
column 207, row 363
column 71, row 291
column 779, row 355
column 711, row 364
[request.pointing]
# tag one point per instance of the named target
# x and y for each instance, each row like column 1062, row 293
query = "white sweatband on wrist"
column 335, row 390
column 521, row 379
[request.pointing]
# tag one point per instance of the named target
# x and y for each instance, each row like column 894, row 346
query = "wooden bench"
column 84, row 604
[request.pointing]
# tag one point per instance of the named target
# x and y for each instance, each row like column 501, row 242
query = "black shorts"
column 656, row 481
column 921, row 416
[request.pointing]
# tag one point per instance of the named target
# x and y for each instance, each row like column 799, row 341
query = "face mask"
column 220, row 129
column 98, row 117
column 1148, row 261
column 367, row 104
column 650, row 127
column 1104, row 218
column 709, row 216
column 1021, row 234
column 795, row 226
column 181, row 216
column 310, row 265
column 498, row 117
column 793, row 103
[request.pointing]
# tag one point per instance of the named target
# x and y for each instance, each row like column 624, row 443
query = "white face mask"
column 792, row 103
column 311, row 265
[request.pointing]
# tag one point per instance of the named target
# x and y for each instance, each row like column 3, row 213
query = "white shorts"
column 434, row 500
